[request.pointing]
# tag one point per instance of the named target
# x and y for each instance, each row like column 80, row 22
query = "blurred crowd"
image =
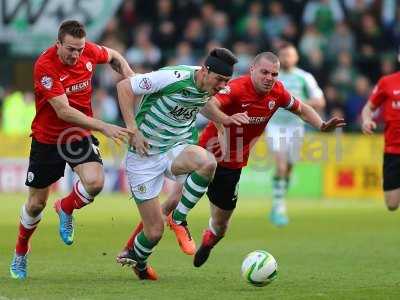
column 346, row 44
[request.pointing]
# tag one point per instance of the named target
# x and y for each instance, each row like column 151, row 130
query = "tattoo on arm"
column 116, row 65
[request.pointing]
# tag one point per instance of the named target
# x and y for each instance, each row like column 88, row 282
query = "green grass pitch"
column 331, row 250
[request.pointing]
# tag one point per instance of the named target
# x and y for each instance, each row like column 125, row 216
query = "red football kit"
column 241, row 96
column 387, row 94
column 53, row 78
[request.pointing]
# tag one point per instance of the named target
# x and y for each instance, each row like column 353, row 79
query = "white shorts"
column 285, row 139
column 146, row 174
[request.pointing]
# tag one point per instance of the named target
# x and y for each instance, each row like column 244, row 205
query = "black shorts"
column 47, row 161
column 391, row 171
column 223, row 189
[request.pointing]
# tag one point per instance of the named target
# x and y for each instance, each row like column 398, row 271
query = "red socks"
column 77, row 199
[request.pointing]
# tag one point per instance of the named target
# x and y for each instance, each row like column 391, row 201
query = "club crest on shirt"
column 89, row 66
column 47, row 82
column 145, row 84
column 271, row 104
column 225, row 91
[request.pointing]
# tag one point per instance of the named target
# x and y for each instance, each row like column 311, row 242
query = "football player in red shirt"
column 61, row 133
column 386, row 94
column 260, row 95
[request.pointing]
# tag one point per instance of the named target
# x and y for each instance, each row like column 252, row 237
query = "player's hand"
column 237, row 119
column 138, row 141
column 332, row 124
column 116, row 133
column 368, row 127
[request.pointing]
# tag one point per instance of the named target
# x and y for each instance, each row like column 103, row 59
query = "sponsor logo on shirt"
column 396, row 92
column 47, row 82
column 89, row 66
column 77, row 87
column 257, row 120
column 177, row 74
column 180, row 113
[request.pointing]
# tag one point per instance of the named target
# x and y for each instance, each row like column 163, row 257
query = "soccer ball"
column 259, row 268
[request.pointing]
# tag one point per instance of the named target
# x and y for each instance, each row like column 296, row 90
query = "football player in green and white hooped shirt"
column 285, row 132
column 164, row 144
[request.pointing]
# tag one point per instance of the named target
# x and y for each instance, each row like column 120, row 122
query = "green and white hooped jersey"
column 301, row 85
column 167, row 111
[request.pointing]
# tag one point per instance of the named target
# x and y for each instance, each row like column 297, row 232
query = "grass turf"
column 330, row 250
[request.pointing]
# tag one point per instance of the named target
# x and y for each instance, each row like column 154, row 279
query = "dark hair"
column 271, row 57
column 71, row 27
column 285, row 45
column 225, row 55
column 220, row 61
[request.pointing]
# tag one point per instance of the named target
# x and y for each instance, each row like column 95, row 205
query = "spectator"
column 342, row 40
column 194, row 34
column 370, row 43
column 165, row 32
column 311, row 40
column 18, row 113
column 242, row 51
column 277, row 21
column 323, row 14
column 184, row 55
column 355, row 102
column 105, row 107
column 343, row 73
column 220, row 30
column 143, row 51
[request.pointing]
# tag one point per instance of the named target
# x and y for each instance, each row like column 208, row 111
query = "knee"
column 155, row 232
column 34, row 208
column 209, row 165
column 392, row 206
column 281, row 170
column 94, row 185
column 392, row 202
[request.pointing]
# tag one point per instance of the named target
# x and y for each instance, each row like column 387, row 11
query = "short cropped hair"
column 71, row 27
column 271, row 57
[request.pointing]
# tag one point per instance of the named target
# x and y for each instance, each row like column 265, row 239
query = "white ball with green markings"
column 259, row 268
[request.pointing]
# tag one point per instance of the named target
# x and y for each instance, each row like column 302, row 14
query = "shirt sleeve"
column 378, row 95
column 153, row 82
column 99, row 53
column 287, row 100
column 46, row 82
column 314, row 91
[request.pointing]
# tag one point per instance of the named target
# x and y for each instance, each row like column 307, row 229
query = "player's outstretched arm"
column 71, row 115
column 309, row 115
column 213, row 112
column 367, row 123
column 127, row 101
column 317, row 103
column 119, row 64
